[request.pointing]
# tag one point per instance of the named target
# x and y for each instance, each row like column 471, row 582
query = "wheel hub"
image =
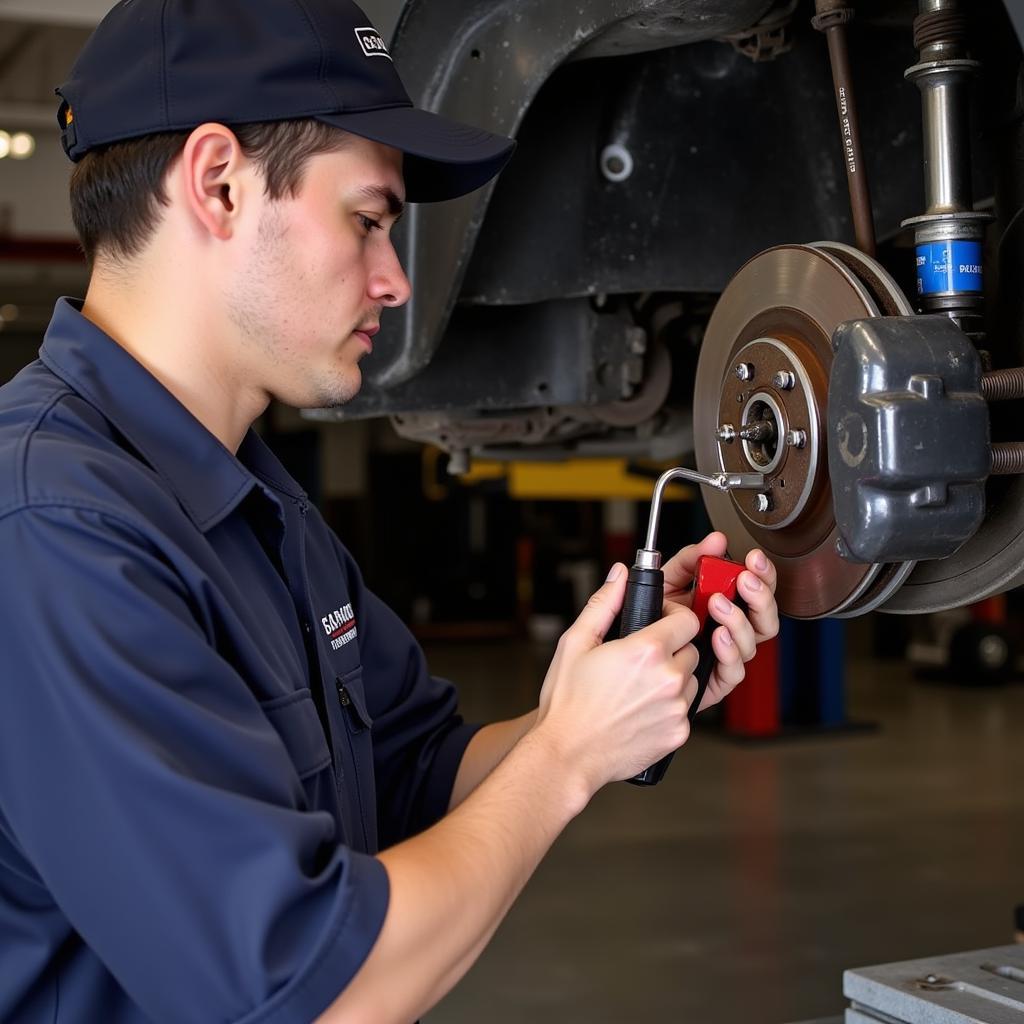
column 779, row 429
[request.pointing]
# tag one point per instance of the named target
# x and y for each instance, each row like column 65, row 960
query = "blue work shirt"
column 209, row 724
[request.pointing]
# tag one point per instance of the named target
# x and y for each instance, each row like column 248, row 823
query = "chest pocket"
column 295, row 720
column 355, row 753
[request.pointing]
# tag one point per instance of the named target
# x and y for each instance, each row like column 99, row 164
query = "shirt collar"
column 207, row 479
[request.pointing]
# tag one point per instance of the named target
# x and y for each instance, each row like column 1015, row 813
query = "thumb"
column 596, row 618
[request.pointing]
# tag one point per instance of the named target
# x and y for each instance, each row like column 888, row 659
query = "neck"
column 179, row 343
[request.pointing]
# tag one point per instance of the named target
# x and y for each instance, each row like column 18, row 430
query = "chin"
column 337, row 392
column 324, row 393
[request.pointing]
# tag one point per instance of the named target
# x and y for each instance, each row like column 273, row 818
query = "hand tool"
column 645, row 591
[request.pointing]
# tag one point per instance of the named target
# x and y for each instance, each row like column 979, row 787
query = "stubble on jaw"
column 258, row 311
column 251, row 304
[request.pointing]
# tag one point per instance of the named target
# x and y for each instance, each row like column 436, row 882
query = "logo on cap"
column 371, row 42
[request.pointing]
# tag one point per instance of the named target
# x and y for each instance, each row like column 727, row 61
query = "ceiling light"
column 23, row 145
column 9, row 312
column 5, row 145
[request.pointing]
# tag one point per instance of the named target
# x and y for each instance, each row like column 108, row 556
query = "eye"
column 368, row 223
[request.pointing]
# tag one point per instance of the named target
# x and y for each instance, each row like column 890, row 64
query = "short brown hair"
column 117, row 190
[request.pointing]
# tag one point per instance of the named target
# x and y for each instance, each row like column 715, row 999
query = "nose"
column 388, row 284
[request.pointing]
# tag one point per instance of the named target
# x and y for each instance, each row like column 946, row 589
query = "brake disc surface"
column 760, row 404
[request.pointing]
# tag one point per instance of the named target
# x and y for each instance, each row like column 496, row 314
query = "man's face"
column 316, row 271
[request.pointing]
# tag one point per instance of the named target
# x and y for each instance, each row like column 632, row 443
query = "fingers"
column 685, row 661
column 757, row 587
column 738, row 627
column 690, row 692
column 730, row 666
column 761, row 566
column 735, row 641
column 596, row 618
column 679, row 569
column 672, row 631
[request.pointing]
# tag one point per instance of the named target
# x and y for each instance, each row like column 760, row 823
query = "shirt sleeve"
column 159, row 806
column 418, row 736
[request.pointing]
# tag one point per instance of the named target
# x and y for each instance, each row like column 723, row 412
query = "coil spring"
column 1001, row 385
column 1007, row 458
column 939, row 27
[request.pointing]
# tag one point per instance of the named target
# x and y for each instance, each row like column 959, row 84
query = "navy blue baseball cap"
column 157, row 66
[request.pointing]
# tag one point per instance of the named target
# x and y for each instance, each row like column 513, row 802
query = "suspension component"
column 1007, row 458
column 1002, row 385
column 949, row 233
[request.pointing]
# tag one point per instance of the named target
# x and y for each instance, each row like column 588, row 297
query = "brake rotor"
column 760, row 404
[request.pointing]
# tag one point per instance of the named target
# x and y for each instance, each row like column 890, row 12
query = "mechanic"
column 229, row 788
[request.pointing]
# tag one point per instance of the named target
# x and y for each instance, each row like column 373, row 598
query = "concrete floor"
column 739, row 889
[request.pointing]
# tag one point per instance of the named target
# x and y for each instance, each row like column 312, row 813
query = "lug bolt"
column 784, row 380
column 762, row 502
column 726, row 433
column 796, row 438
column 744, row 371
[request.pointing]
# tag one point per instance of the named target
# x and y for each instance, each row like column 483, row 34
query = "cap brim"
column 444, row 159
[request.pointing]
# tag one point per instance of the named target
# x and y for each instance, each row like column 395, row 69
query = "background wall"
column 38, row 45
column 34, row 193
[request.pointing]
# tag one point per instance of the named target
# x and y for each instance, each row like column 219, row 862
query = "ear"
column 211, row 170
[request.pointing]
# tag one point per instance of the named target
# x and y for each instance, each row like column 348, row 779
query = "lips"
column 366, row 334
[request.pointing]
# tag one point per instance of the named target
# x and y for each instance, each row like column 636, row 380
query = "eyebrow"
column 395, row 205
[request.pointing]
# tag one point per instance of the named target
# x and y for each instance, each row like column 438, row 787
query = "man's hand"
column 615, row 708
column 735, row 642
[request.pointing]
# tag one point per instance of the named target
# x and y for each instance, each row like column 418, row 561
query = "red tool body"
column 713, row 576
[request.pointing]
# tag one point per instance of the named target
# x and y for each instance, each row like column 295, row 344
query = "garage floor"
column 739, row 889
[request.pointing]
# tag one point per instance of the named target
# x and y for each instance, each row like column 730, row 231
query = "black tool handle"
column 644, row 599
column 645, row 596
column 705, row 666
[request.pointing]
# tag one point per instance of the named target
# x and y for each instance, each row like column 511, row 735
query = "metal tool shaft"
column 720, row 481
